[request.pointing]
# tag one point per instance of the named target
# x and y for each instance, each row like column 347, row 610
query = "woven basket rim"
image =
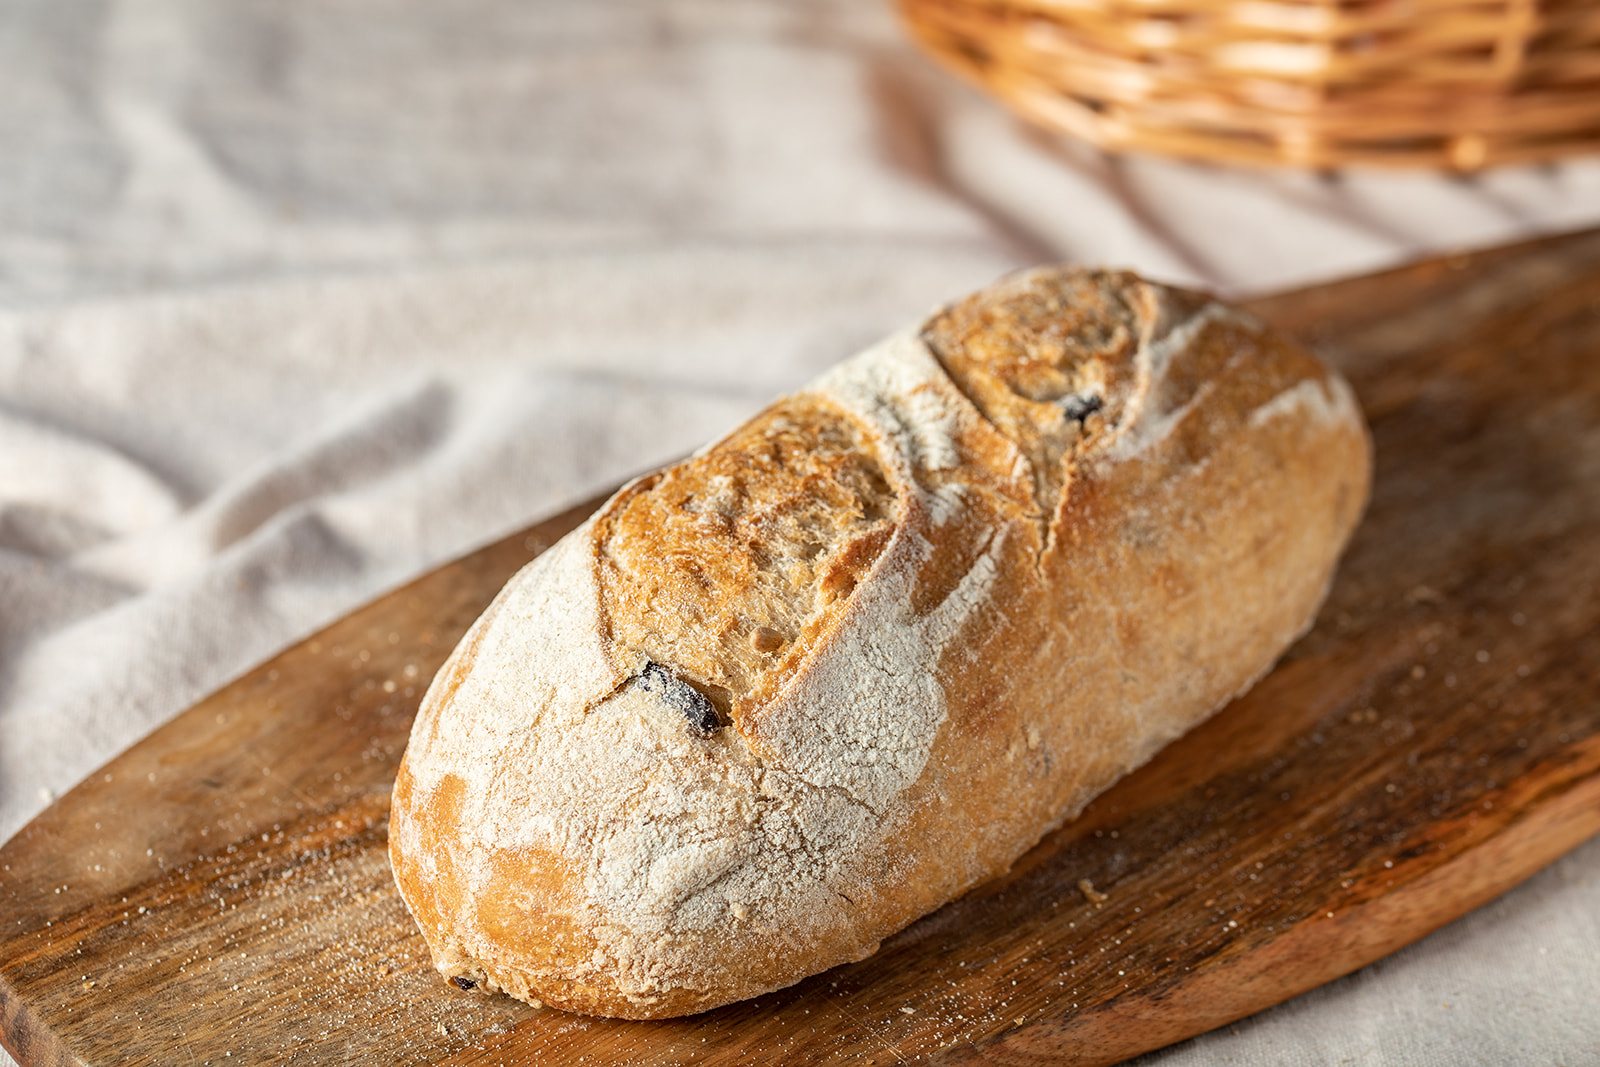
column 1460, row 84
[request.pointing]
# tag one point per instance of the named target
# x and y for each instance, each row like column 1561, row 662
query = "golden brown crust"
column 1046, row 359
column 938, row 601
column 721, row 563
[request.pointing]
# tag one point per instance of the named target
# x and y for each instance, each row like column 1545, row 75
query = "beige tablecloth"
column 300, row 299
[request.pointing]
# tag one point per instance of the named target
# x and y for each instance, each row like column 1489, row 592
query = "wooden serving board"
column 221, row 892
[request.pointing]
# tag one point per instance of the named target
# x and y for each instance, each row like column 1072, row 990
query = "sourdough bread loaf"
column 770, row 705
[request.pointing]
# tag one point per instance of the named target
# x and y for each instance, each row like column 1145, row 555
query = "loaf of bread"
column 769, row 706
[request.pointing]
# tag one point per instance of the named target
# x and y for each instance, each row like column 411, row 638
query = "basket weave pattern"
column 1316, row 83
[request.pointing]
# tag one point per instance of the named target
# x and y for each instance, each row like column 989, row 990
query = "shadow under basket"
column 1307, row 83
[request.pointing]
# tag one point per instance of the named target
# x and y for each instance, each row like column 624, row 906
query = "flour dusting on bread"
column 862, row 716
column 1330, row 400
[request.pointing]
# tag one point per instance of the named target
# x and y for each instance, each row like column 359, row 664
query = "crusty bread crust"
column 770, row 706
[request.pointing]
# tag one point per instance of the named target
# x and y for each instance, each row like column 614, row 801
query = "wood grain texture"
column 223, row 886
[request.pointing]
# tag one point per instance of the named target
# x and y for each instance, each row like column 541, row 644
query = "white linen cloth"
column 301, row 299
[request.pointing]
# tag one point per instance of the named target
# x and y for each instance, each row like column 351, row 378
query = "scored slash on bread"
column 771, row 705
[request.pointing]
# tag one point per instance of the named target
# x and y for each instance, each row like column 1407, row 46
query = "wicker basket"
column 1314, row 83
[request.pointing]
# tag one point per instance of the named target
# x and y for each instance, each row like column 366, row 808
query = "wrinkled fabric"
column 300, row 300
